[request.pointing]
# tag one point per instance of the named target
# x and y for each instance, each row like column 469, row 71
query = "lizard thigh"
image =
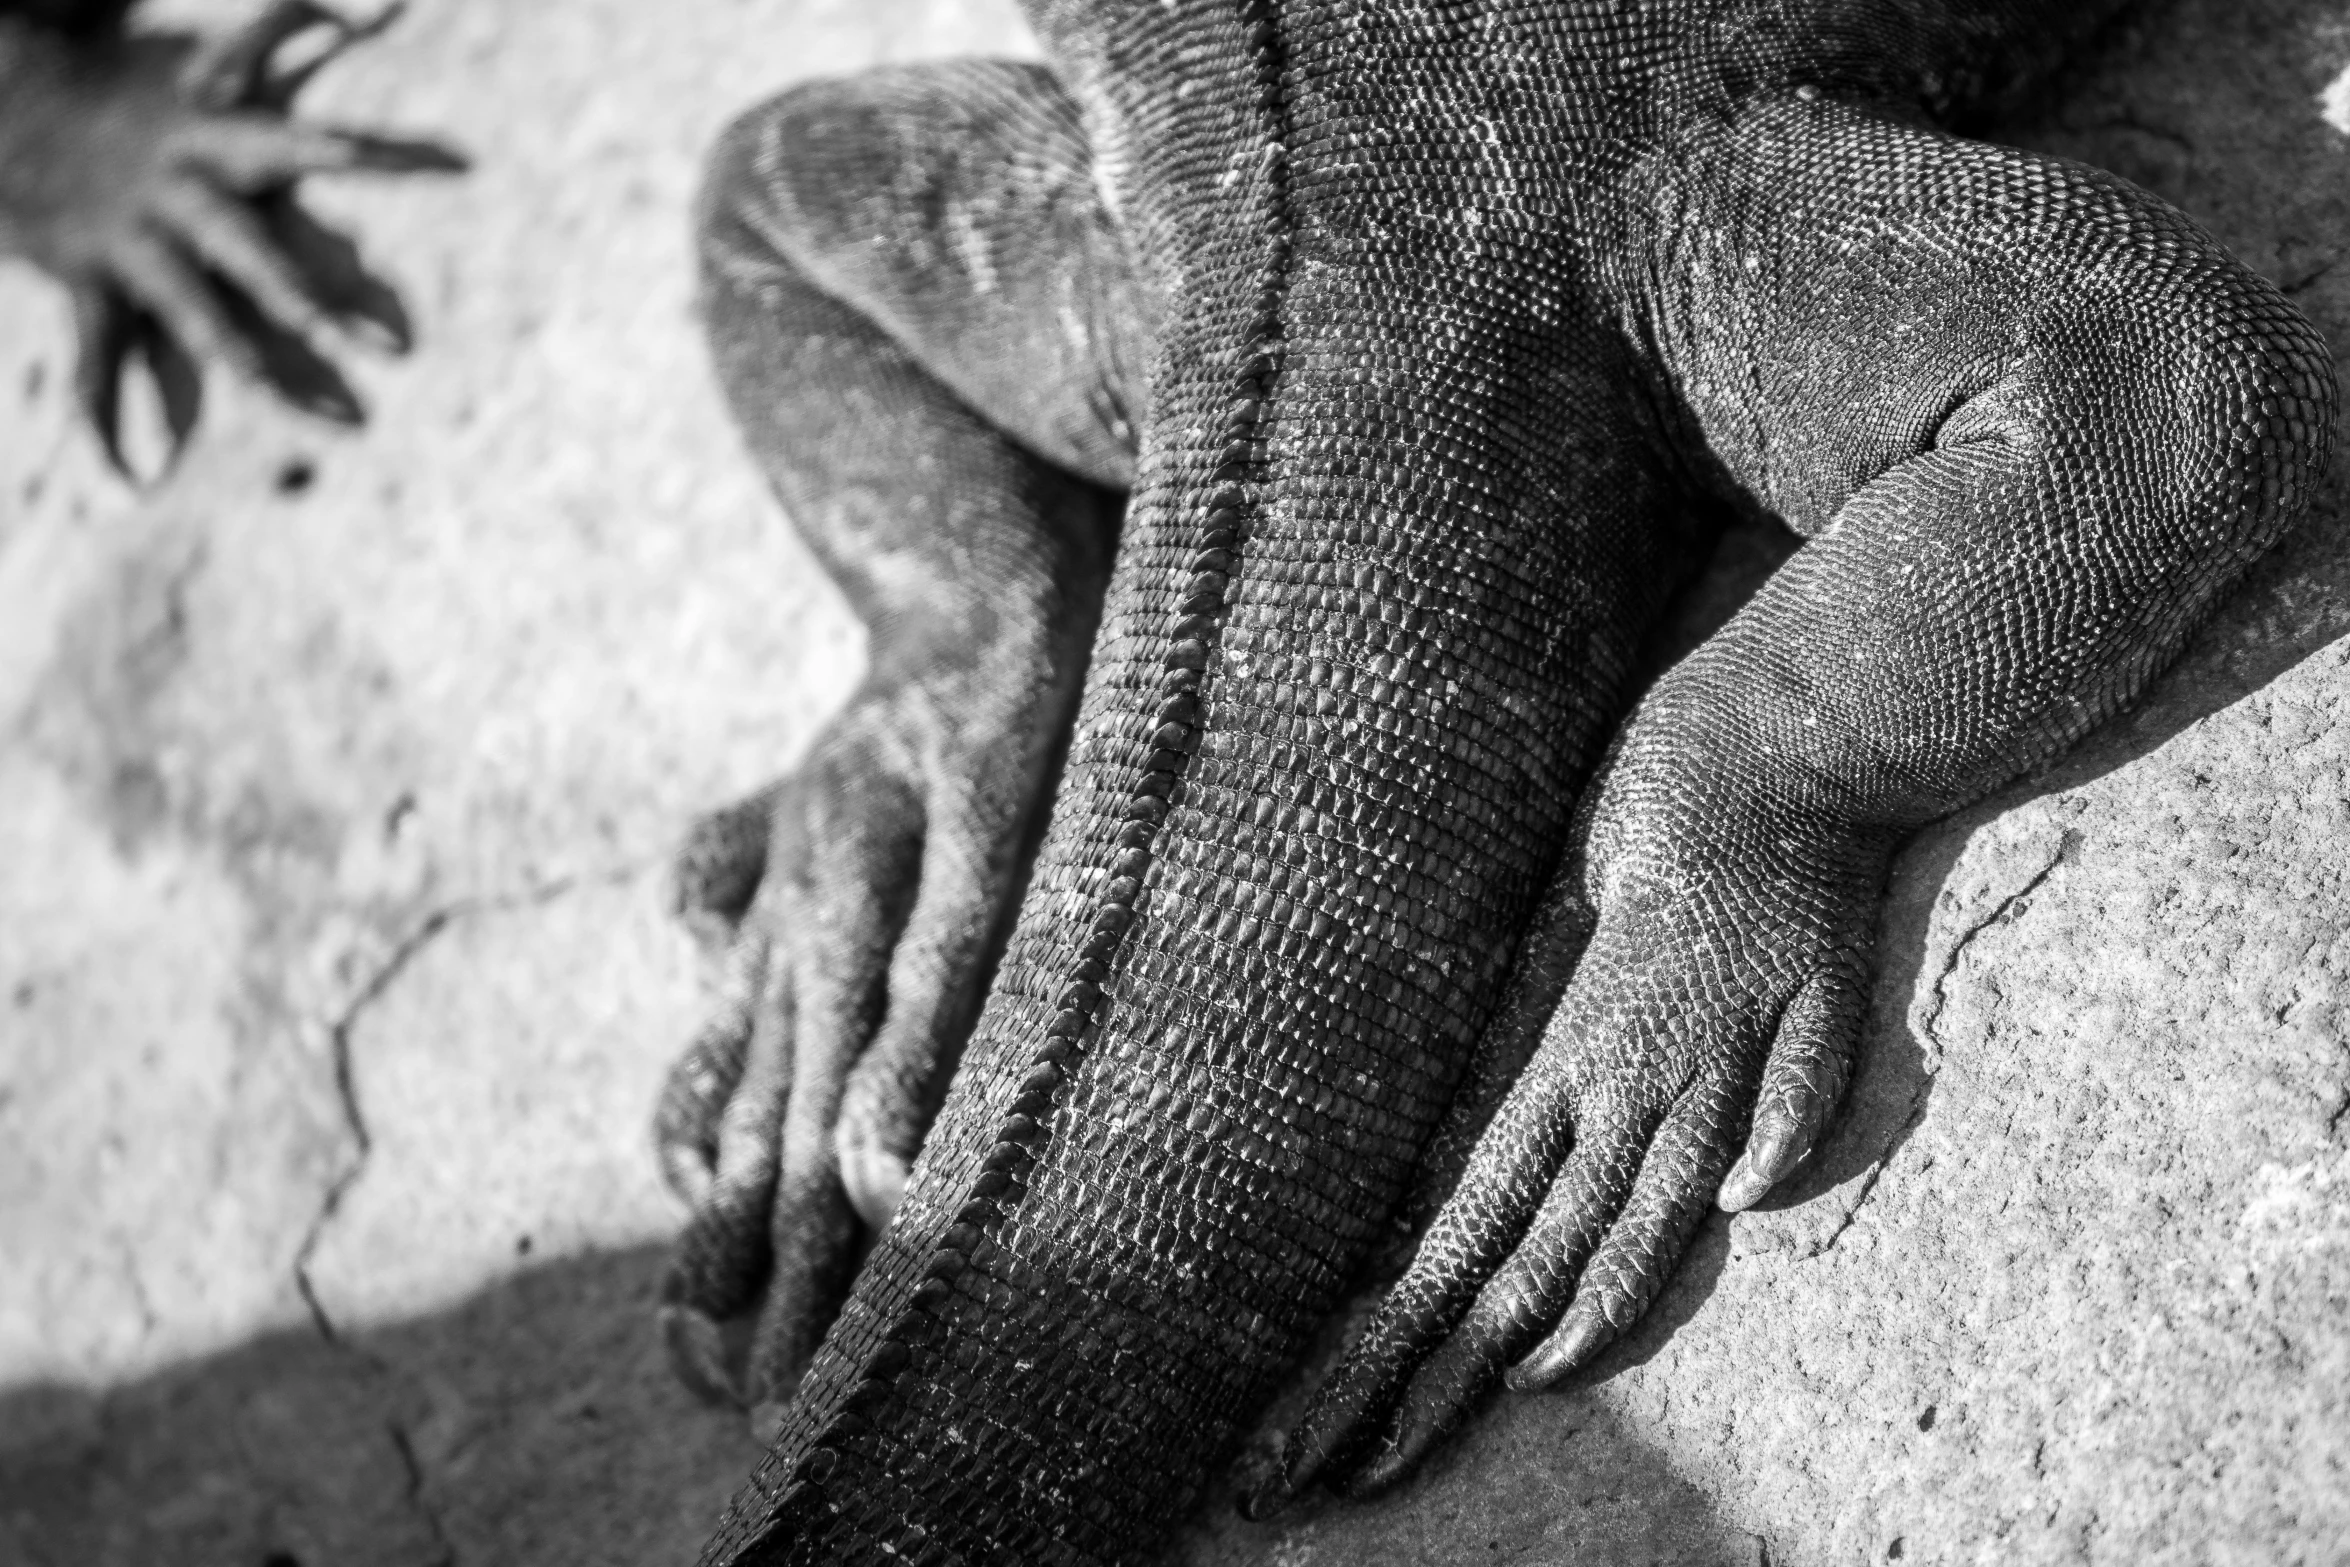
column 2031, row 419
column 953, row 206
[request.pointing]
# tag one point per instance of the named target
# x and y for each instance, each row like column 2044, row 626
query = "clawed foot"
column 166, row 202
column 1697, row 1054
column 858, row 904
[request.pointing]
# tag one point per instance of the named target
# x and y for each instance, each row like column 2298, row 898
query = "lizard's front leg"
column 921, row 320
column 2034, row 424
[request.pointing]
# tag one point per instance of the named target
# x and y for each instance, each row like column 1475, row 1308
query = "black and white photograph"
column 1174, row 783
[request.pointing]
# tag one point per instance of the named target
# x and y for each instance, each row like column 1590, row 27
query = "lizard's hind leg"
column 2032, row 425
column 923, row 322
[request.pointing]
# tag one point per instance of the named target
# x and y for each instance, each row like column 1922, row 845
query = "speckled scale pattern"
column 977, row 565
column 1459, row 317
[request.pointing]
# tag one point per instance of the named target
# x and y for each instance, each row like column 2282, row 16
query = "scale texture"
column 1458, row 324
column 1456, row 331
column 2090, row 1310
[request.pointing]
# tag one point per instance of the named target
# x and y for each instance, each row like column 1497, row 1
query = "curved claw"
column 104, row 329
column 239, row 69
column 252, row 154
column 284, row 360
column 282, row 86
column 1803, row 1083
column 112, row 331
column 179, row 384
column 1578, row 1341
column 362, row 304
column 875, row 1181
column 1773, row 1155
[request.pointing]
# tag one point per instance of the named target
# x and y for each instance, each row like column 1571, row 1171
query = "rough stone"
column 333, row 970
column 335, row 778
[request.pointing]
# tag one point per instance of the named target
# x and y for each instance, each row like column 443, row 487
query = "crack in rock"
column 340, row 1032
column 1876, row 1169
column 1931, row 1028
column 1933, row 1022
column 443, row 1548
column 354, row 1117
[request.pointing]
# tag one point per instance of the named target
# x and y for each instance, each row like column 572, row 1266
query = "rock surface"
column 334, row 981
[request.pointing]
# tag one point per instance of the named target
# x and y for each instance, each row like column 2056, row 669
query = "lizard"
column 1295, row 411
column 155, row 174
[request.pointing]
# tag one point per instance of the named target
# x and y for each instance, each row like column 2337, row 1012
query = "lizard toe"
column 727, row 1171
column 705, row 1354
column 1641, row 1239
column 972, row 871
column 1521, row 1284
column 715, row 872
column 1349, row 1425
column 1803, row 1083
column 1686, row 1025
column 745, row 1121
column 703, row 1081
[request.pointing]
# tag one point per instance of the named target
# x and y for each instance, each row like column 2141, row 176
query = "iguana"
column 1367, row 371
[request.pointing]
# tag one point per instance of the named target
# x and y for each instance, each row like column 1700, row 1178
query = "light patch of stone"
column 2334, row 102
column 347, row 763
column 482, row 1155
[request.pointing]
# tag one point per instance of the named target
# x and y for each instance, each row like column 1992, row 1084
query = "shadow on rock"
column 535, row 1422
column 1532, row 1479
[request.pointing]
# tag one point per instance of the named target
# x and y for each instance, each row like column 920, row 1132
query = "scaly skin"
column 1455, row 322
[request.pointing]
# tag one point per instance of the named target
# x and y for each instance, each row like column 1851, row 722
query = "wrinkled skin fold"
column 1418, row 342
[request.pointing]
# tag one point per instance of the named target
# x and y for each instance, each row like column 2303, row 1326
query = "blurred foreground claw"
column 111, row 333
column 156, row 176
